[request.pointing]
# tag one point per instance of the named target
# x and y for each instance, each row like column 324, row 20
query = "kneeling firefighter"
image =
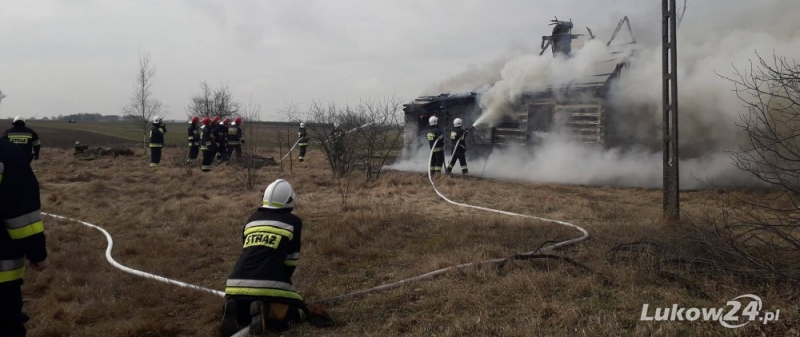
column 261, row 281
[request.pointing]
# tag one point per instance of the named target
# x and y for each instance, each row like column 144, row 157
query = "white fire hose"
column 292, row 149
column 244, row 332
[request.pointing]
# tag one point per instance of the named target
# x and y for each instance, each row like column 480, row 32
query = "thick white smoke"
column 714, row 37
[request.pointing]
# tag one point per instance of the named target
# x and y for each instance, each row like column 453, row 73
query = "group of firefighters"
column 457, row 138
column 217, row 140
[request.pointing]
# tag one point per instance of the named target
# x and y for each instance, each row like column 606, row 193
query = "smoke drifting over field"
column 714, row 37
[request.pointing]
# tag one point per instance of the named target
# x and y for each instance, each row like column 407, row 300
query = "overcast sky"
column 62, row 57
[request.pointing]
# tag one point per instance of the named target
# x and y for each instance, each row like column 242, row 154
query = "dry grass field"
column 180, row 223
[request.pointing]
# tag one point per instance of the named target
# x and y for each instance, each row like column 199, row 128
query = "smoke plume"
column 714, row 37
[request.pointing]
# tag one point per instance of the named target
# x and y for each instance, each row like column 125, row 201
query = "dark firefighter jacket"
column 455, row 135
column 235, row 135
column 337, row 135
column 157, row 132
column 270, row 251
column 433, row 134
column 22, row 232
column 194, row 135
column 25, row 138
column 220, row 134
column 206, row 140
column 302, row 137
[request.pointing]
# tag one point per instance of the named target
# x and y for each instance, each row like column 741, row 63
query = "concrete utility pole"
column 670, row 86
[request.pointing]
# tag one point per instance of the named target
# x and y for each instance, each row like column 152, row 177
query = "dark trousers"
column 12, row 319
column 222, row 152
column 235, row 148
column 302, row 152
column 437, row 161
column 462, row 161
column 208, row 157
column 155, row 156
column 193, row 152
column 279, row 316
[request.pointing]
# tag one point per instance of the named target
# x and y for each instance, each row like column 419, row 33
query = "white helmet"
column 157, row 119
column 279, row 195
column 18, row 119
column 233, row 124
column 336, row 125
column 302, row 125
column 433, row 121
column 457, row 122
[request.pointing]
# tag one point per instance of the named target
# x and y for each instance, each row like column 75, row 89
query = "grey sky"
column 61, row 57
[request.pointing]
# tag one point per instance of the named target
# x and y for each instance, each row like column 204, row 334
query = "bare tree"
column 143, row 105
column 755, row 235
column 213, row 102
column 249, row 172
column 373, row 134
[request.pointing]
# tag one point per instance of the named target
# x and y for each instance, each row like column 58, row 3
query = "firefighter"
column 261, row 281
column 157, row 131
column 25, row 138
column 434, row 135
column 302, row 141
column 22, row 236
column 206, row 144
column 221, row 139
column 235, row 138
column 194, row 139
column 337, row 155
column 458, row 138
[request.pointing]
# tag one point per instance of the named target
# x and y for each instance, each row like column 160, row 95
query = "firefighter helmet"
column 194, row 120
column 335, row 125
column 279, row 195
column 215, row 121
column 302, row 125
column 18, row 119
column 157, row 119
column 227, row 121
column 237, row 120
column 433, row 121
column 457, row 122
column 206, row 120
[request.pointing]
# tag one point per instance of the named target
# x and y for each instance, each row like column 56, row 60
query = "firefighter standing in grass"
column 206, row 144
column 302, row 141
column 458, row 136
column 194, row 140
column 221, row 139
column 24, row 137
column 235, row 138
column 21, row 236
column 435, row 136
column 157, row 131
column 261, row 281
column 337, row 153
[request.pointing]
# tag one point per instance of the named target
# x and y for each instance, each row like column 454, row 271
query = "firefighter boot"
column 230, row 322
column 449, row 169
column 258, row 327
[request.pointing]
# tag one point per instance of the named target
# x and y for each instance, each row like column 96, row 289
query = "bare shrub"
column 373, row 133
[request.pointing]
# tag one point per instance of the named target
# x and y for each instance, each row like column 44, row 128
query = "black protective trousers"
column 235, row 148
column 155, row 156
column 302, row 152
column 437, row 161
column 460, row 155
column 222, row 152
column 208, row 158
column 12, row 319
column 193, row 152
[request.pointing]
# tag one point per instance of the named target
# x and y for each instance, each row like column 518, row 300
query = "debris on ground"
column 254, row 161
column 83, row 152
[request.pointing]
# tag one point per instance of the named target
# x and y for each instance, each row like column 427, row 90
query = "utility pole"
column 670, row 105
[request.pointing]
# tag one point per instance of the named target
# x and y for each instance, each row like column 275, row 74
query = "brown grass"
column 180, row 223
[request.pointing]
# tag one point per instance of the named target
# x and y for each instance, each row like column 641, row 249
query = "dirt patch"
column 63, row 138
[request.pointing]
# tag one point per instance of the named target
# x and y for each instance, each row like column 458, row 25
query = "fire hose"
column 292, row 149
column 384, row 287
